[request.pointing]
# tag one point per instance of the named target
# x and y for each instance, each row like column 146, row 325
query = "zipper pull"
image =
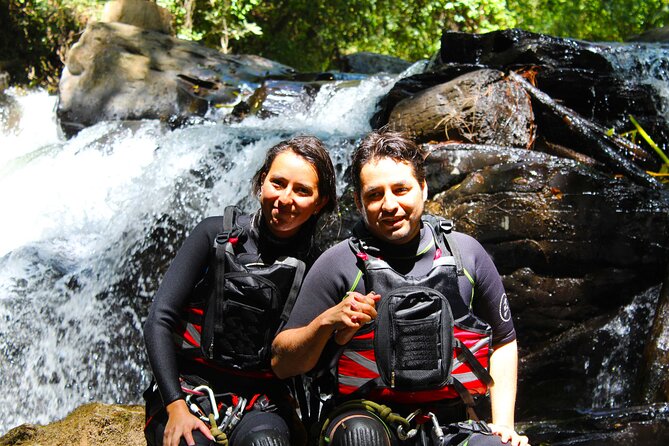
column 392, row 379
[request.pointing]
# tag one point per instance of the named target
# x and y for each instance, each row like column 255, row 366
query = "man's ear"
column 358, row 203
column 424, row 190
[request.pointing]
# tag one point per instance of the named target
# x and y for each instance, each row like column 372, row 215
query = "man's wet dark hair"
column 387, row 144
column 314, row 152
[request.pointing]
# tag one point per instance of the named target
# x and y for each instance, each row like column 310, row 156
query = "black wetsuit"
column 175, row 294
column 336, row 272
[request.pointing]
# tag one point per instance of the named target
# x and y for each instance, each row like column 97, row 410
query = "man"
column 342, row 299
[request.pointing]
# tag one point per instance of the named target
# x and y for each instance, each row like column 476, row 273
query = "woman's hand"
column 181, row 423
column 508, row 434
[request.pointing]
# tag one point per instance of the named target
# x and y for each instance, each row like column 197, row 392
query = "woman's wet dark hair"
column 387, row 144
column 313, row 151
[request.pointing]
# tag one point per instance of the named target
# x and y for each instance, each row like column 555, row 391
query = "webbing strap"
column 300, row 267
column 446, row 231
column 480, row 372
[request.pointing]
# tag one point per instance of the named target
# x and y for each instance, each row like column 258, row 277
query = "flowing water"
column 87, row 222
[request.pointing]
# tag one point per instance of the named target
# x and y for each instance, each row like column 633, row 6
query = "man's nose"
column 389, row 202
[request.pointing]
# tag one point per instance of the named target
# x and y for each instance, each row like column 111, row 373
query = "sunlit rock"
column 122, row 72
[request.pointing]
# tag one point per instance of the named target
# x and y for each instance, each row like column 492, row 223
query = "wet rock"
column 643, row 425
column 580, row 75
column 653, row 35
column 481, row 107
column 371, row 63
column 119, row 71
column 276, row 97
column 656, row 355
column 91, row 424
column 548, row 213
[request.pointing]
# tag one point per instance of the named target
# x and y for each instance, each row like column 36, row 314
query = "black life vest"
column 425, row 344
column 239, row 307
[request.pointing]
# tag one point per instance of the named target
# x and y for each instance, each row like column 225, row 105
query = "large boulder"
column 122, row 72
column 91, row 424
column 142, row 13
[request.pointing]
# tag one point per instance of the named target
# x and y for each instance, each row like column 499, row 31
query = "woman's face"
column 289, row 194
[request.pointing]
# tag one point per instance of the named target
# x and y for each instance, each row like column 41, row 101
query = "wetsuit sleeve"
column 185, row 271
column 328, row 280
column 489, row 298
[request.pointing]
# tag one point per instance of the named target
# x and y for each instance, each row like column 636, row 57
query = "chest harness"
column 239, row 306
column 425, row 345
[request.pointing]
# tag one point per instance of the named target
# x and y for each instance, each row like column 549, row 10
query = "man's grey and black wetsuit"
column 337, row 271
column 176, row 293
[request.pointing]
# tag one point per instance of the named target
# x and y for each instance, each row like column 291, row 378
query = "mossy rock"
column 93, row 424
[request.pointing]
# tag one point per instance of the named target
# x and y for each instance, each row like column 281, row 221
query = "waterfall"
column 88, row 221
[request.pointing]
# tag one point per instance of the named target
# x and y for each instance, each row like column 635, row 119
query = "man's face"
column 391, row 200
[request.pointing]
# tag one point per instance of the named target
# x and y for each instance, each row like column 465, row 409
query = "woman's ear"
column 322, row 202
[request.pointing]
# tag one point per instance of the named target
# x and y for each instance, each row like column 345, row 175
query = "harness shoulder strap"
column 300, row 268
column 444, row 229
column 222, row 244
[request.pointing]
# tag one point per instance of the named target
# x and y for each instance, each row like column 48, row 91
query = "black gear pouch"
column 414, row 340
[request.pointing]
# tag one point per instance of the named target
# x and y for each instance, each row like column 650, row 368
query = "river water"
column 78, row 213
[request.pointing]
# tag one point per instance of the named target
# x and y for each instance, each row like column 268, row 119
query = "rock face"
column 119, row 71
column 481, row 107
column 91, row 424
column 576, row 74
column 141, row 13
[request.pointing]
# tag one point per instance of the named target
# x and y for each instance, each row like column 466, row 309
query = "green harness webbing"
column 383, row 412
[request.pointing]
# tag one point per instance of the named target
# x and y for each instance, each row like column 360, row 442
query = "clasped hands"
column 352, row 313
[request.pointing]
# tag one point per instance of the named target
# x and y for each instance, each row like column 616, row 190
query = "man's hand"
column 508, row 434
column 354, row 312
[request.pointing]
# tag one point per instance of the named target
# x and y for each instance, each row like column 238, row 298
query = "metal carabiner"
column 412, row 432
column 194, row 407
column 436, row 428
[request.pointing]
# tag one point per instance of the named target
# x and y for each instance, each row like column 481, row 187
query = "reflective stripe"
column 192, row 331
column 353, row 381
column 359, row 382
column 476, row 347
column 465, row 377
column 361, row 360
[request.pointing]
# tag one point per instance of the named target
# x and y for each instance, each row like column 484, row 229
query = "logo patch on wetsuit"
column 504, row 310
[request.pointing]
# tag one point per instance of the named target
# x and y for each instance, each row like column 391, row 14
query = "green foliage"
column 216, row 23
column 35, row 36
column 595, row 20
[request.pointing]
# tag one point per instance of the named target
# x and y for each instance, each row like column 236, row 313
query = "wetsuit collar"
column 418, row 246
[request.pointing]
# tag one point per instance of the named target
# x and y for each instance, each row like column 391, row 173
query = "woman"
column 295, row 186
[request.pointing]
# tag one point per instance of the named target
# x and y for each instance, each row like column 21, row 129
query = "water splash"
column 623, row 338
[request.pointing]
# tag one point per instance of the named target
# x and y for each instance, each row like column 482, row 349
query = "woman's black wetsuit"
column 257, row 244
